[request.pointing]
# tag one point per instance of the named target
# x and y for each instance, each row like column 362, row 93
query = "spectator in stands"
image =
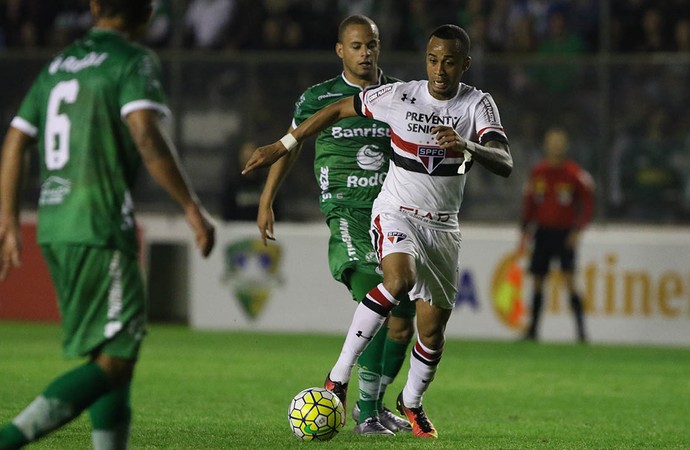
column 471, row 11
column 26, row 23
column 72, row 22
column 160, row 28
column 417, row 21
column 585, row 20
column 243, row 28
column 282, row 33
column 654, row 32
column 498, row 25
column 559, row 40
column 207, row 23
column 538, row 12
column 648, row 185
column 523, row 37
column 681, row 36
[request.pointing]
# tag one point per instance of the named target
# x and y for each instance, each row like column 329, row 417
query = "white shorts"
column 436, row 253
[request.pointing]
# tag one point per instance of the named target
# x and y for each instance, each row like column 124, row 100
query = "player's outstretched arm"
column 265, row 156
column 11, row 170
column 160, row 159
column 493, row 155
column 276, row 175
column 268, row 154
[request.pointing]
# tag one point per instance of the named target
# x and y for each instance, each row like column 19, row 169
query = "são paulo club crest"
column 431, row 157
column 251, row 272
column 396, row 236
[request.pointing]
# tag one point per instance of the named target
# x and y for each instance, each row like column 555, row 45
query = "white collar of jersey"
column 435, row 101
column 360, row 87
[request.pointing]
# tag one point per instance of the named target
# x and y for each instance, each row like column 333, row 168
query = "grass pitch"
column 217, row 390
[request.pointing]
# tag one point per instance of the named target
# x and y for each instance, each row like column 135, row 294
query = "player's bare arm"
column 11, row 170
column 267, row 155
column 493, row 155
column 276, row 175
column 159, row 157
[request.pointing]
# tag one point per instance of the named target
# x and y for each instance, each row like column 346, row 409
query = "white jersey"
column 423, row 179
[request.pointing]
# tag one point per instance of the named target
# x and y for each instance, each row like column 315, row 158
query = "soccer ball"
column 316, row 414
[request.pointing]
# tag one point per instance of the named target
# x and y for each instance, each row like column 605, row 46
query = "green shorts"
column 101, row 299
column 349, row 244
column 350, row 250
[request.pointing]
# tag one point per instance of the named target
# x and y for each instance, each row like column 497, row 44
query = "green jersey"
column 76, row 110
column 352, row 156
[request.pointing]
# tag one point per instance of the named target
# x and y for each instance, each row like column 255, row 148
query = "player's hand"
column 203, row 227
column 10, row 248
column 265, row 220
column 265, row 156
column 572, row 239
column 447, row 137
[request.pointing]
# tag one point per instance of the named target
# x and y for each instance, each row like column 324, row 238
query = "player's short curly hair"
column 449, row 31
column 356, row 19
column 134, row 12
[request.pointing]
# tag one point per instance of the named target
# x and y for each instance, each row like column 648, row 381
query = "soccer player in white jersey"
column 439, row 128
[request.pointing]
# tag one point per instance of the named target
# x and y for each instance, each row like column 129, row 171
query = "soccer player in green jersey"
column 94, row 113
column 350, row 163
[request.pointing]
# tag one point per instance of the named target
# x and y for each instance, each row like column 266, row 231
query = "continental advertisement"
column 635, row 284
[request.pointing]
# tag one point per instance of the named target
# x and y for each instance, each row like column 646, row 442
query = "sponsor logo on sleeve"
column 373, row 95
column 489, row 110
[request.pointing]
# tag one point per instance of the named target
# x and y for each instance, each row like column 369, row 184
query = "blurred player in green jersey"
column 350, row 164
column 94, row 113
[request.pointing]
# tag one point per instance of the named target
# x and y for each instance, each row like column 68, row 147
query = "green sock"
column 110, row 416
column 369, row 376
column 11, row 438
column 63, row 400
column 394, row 354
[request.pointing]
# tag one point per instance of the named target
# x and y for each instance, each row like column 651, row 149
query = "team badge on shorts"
column 396, row 236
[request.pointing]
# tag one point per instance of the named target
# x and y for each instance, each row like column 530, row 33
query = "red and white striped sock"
column 367, row 320
column 423, row 365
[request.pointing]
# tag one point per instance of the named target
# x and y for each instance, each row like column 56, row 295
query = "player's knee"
column 432, row 341
column 119, row 370
column 399, row 283
column 432, row 336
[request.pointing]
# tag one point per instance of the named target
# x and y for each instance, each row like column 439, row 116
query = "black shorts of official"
column 550, row 244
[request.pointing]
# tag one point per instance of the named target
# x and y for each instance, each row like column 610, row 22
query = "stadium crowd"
column 494, row 25
column 627, row 113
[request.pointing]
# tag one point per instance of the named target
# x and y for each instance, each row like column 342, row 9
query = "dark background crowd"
column 496, row 26
column 614, row 73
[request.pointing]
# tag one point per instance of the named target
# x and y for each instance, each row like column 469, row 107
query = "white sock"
column 42, row 416
column 423, row 365
column 385, row 381
column 116, row 439
column 369, row 316
column 369, row 385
